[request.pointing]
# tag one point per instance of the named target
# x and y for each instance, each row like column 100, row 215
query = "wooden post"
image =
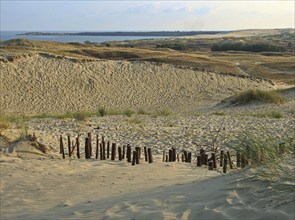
column 120, row 153
column 137, row 156
column 164, row 155
column 224, row 164
column 103, row 152
column 178, row 157
column 114, row 148
column 199, row 161
column 90, row 143
column 170, row 155
column 166, row 159
column 213, row 160
column 182, row 158
column 150, row 155
column 123, row 156
column 134, row 157
column 128, row 153
column 229, row 160
column 108, row 150
column 145, row 154
column 238, row 159
column 189, row 157
column 96, row 150
column 78, row 146
column 100, row 151
column 243, row 161
column 62, row 150
column 87, row 150
column 185, row 156
column 221, row 158
column 69, row 145
column 210, row 165
column 138, row 152
column 138, row 149
column 60, row 144
column 173, row 154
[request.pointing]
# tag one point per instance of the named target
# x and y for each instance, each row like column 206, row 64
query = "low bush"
column 253, row 95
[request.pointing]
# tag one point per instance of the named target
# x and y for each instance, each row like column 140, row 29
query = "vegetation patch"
column 254, row 95
column 272, row 114
column 258, row 47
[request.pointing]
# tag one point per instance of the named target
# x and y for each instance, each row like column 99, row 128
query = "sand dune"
column 39, row 83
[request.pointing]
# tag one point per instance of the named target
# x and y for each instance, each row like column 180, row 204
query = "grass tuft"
column 128, row 112
column 254, row 95
column 163, row 112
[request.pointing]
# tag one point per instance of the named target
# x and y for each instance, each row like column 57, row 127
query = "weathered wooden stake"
column 120, row 153
column 123, row 156
column 69, row 145
column 138, row 151
column 243, row 161
column 238, row 159
column 213, row 157
column 114, row 149
column 221, row 158
column 164, row 155
column 90, row 143
column 108, row 149
column 166, row 159
column 150, row 155
column 87, row 150
column 229, row 160
column 185, row 156
column 210, row 165
column 128, row 153
column 189, row 157
column 145, row 154
column 78, row 146
column 96, row 150
column 199, row 161
column 62, row 150
column 173, row 154
column 134, row 158
column 182, row 158
column 170, row 155
column 178, row 157
column 224, row 164
column 100, row 151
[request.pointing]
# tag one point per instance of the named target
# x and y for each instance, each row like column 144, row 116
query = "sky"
column 95, row 15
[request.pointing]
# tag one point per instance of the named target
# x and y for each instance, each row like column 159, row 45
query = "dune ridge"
column 56, row 84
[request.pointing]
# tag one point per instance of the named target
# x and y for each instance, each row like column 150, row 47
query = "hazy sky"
column 145, row 15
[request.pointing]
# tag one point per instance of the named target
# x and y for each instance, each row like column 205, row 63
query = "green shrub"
column 102, row 111
column 272, row 114
column 218, row 113
column 253, row 95
column 128, row 112
column 163, row 112
column 141, row 111
column 238, row 46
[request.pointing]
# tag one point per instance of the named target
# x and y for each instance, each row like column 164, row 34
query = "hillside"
column 42, row 82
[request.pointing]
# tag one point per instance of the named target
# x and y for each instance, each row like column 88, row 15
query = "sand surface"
column 35, row 185
column 47, row 83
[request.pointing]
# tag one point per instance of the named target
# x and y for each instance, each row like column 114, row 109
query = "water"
column 7, row 35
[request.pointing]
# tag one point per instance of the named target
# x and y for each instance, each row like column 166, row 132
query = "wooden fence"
column 104, row 150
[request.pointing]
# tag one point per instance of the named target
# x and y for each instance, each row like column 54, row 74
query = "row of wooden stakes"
column 104, row 150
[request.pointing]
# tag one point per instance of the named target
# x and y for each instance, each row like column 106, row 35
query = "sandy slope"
column 57, row 189
column 46, row 83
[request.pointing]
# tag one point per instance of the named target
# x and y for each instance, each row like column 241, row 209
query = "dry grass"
column 255, row 95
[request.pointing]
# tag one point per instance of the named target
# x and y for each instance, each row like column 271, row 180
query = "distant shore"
column 129, row 33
